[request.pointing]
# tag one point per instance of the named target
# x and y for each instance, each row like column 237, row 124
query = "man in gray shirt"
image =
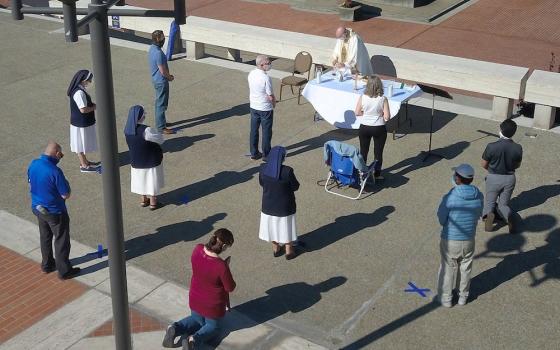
column 501, row 158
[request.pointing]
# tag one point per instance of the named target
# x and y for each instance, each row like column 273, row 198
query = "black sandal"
column 279, row 252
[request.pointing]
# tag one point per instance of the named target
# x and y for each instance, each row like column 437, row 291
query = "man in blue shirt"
column 160, row 79
column 49, row 190
column 458, row 214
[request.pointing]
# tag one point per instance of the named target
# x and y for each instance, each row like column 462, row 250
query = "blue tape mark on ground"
column 100, row 251
column 414, row 289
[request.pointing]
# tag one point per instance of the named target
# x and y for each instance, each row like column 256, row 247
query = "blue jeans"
column 202, row 329
column 258, row 118
column 162, row 100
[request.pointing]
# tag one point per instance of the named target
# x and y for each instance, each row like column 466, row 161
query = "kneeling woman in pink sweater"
column 208, row 296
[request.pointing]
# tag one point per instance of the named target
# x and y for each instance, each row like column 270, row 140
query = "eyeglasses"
column 266, row 64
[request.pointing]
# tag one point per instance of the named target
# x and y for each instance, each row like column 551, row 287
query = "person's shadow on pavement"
column 513, row 265
column 342, row 227
column 214, row 184
column 292, row 297
column 164, row 236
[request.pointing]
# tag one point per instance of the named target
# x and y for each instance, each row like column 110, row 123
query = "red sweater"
column 210, row 284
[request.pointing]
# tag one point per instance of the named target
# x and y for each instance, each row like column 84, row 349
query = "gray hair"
column 261, row 59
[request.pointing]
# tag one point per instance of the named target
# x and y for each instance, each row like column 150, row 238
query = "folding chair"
column 302, row 65
column 343, row 169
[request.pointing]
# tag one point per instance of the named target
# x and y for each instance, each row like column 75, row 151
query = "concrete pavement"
column 347, row 288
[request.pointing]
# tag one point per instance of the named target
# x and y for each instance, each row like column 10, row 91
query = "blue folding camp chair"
column 347, row 167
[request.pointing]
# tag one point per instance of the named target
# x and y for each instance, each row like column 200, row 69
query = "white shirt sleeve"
column 153, row 135
column 80, row 99
column 268, row 86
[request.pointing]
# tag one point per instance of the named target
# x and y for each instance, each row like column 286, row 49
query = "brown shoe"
column 489, row 222
column 511, row 225
column 167, row 131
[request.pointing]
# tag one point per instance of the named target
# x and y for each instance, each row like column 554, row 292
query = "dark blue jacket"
column 278, row 195
column 143, row 154
column 78, row 118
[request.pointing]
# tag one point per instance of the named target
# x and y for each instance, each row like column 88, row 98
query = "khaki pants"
column 455, row 269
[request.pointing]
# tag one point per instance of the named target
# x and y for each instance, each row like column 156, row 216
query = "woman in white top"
column 83, row 138
column 372, row 111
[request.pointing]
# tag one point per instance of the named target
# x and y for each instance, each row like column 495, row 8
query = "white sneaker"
column 462, row 301
column 445, row 303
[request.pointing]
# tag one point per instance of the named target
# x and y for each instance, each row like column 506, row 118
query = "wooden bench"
column 543, row 89
column 504, row 82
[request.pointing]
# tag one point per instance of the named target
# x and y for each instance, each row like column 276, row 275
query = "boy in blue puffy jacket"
column 458, row 214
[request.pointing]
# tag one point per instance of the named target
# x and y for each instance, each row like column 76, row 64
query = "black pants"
column 57, row 225
column 379, row 134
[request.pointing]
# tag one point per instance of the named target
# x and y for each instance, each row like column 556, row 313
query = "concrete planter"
column 348, row 13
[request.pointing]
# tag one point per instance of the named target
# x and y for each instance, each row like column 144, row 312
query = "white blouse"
column 372, row 108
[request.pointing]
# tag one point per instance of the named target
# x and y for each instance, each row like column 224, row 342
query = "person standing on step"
column 501, row 158
column 83, row 135
column 159, row 71
column 261, row 103
column 211, row 283
column 458, row 214
column 49, row 191
column 146, row 156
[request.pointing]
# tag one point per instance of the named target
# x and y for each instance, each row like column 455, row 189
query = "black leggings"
column 379, row 134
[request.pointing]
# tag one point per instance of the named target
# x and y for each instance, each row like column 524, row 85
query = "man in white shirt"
column 262, row 103
column 351, row 52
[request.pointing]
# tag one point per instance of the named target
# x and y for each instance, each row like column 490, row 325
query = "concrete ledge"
column 453, row 72
column 502, row 108
column 543, row 117
column 542, row 88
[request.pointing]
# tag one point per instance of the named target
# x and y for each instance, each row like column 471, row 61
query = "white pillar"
column 544, row 116
column 502, row 108
column 195, row 50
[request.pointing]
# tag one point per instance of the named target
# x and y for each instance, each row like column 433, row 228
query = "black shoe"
column 188, row 344
column 75, row 271
column 48, row 269
column 256, row 156
column 169, row 338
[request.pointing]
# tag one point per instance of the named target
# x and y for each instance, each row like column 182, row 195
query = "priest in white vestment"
column 351, row 52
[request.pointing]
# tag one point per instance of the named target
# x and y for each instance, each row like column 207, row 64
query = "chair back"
column 303, row 62
column 343, row 169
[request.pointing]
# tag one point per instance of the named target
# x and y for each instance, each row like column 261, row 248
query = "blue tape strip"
column 414, row 289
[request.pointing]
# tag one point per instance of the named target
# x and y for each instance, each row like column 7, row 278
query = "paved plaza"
column 346, row 290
